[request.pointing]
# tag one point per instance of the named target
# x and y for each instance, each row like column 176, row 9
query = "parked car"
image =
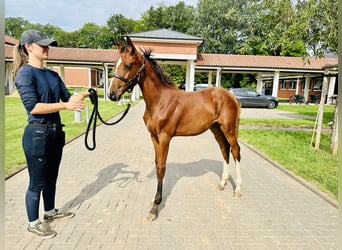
column 252, row 99
column 200, row 86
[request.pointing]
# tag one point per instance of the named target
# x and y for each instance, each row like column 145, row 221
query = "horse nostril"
column 111, row 96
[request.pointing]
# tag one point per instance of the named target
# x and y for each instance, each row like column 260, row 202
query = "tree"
column 272, row 29
column 118, row 25
column 94, row 36
column 14, row 26
column 178, row 17
column 319, row 25
column 219, row 23
column 67, row 39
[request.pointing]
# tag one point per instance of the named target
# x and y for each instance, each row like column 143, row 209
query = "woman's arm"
column 76, row 103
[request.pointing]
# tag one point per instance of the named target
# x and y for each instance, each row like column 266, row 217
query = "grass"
column 16, row 120
column 292, row 149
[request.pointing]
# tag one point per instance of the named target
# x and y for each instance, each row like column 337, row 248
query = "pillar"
column 275, row 83
column 259, row 83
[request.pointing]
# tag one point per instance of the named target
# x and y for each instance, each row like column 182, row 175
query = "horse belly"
column 194, row 126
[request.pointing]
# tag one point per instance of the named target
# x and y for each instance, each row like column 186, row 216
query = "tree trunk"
column 334, row 132
column 321, row 109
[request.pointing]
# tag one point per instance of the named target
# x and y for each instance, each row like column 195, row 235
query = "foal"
column 172, row 112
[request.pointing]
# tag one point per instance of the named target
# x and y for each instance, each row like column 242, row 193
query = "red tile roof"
column 274, row 62
column 204, row 61
column 76, row 55
column 10, row 40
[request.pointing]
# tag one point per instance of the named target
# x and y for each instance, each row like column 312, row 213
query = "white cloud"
column 71, row 15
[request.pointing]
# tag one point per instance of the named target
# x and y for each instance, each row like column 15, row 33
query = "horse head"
column 127, row 71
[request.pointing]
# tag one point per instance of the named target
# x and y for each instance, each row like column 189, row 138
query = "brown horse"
column 172, row 112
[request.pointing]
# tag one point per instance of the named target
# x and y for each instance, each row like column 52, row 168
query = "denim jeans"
column 43, row 147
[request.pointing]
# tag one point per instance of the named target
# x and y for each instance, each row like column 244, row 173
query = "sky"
column 71, row 15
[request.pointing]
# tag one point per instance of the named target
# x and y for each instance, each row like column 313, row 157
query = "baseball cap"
column 36, row 36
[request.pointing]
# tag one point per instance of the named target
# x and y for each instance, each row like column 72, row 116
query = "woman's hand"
column 74, row 105
column 79, row 96
column 76, row 102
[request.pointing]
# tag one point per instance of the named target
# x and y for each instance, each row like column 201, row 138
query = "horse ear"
column 118, row 44
column 130, row 43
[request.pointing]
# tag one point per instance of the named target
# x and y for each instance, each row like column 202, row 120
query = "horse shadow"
column 176, row 171
column 115, row 173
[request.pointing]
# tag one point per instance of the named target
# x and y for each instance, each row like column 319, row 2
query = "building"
column 282, row 77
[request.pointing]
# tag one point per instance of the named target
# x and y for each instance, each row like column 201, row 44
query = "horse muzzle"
column 114, row 96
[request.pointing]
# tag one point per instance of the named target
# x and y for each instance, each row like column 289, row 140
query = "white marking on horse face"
column 118, row 64
column 116, row 69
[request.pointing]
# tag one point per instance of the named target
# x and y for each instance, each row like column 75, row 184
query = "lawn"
column 15, row 122
column 292, row 148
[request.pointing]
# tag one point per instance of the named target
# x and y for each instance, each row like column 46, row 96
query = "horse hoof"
column 220, row 187
column 237, row 195
column 151, row 217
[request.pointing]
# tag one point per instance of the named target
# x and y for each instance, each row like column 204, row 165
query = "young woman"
column 43, row 95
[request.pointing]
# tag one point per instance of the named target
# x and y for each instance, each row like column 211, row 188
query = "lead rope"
column 93, row 118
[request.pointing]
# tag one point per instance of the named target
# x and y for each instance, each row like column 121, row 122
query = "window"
column 291, row 85
column 283, row 85
column 318, row 82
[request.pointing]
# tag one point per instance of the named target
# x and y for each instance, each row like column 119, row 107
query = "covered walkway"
column 277, row 76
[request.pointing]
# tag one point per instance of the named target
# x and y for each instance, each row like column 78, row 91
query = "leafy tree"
column 178, row 17
column 67, row 39
column 94, row 36
column 118, row 25
column 219, row 22
column 319, row 25
column 272, row 29
column 14, row 26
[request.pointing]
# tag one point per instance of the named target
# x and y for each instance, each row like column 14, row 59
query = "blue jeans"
column 43, row 147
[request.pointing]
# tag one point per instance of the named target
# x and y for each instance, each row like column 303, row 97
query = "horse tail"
column 238, row 116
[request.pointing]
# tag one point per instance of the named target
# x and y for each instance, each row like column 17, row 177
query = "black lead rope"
column 93, row 118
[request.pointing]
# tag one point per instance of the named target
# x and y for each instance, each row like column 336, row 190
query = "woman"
column 43, row 95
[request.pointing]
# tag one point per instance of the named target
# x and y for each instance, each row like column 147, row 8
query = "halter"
column 129, row 82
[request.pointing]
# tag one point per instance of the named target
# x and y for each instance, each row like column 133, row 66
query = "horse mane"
column 147, row 54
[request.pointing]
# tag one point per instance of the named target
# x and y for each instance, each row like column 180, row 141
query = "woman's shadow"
column 115, row 173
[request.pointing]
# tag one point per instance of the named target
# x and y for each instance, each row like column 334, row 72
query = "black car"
column 252, row 99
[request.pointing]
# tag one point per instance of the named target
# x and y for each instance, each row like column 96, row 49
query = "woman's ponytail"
column 20, row 57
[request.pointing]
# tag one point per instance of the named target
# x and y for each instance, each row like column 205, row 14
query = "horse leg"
column 161, row 148
column 231, row 134
column 225, row 148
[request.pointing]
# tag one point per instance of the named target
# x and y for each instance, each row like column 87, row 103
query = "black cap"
column 36, row 36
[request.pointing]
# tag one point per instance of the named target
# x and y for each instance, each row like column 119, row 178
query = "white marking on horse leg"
column 225, row 175
column 156, row 189
column 237, row 193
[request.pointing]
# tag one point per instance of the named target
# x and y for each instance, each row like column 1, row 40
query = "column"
column 218, row 77
column 210, row 79
column 105, row 81
column 275, row 83
column 190, row 75
column 259, row 82
column 331, row 89
column 307, row 87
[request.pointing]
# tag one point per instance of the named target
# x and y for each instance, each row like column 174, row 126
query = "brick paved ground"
column 110, row 190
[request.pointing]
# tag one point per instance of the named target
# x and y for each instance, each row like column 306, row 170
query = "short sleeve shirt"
column 37, row 85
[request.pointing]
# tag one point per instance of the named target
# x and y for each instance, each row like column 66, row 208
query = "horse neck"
column 151, row 85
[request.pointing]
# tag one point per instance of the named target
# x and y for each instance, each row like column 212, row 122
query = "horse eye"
column 128, row 66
